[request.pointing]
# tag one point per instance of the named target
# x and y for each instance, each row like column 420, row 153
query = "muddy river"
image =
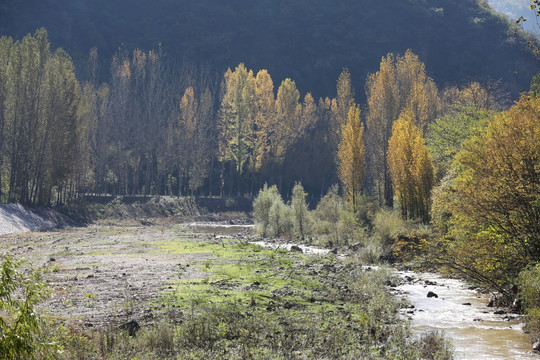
column 462, row 314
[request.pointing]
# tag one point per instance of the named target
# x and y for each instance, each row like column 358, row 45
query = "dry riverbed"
column 218, row 294
column 106, row 274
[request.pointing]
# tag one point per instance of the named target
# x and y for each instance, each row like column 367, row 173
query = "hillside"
column 516, row 8
column 309, row 41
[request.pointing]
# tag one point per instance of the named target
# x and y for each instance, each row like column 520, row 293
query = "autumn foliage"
column 410, row 168
column 493, row 203
column 351, row 157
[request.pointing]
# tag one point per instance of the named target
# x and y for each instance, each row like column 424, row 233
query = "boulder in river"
column 296, row 248
column 536, row 346
column 431, row 294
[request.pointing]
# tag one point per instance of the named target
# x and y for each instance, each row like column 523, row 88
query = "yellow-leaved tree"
column 410, row 168
column 493, row 203
column 400, row 86
column 352, row 156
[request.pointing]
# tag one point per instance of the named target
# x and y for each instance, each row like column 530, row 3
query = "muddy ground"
column 106, row 274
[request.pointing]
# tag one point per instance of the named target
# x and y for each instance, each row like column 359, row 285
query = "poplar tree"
column 6, row 44
column 410, row 167
column 237, row 119
column 351, row 157
column 265, row 120
column 401, row 85
column 288, row 112
column 39, row 121
column 341, row 106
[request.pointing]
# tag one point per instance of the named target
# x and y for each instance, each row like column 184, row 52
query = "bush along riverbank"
column 229, row 299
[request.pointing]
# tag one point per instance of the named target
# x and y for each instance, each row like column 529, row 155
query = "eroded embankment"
column 16, row 218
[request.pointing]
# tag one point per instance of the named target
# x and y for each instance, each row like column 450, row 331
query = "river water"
column 475, row 331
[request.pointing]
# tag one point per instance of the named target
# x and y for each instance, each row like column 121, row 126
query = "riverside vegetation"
column 224, row 299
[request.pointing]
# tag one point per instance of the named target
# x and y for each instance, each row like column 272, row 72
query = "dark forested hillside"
column 307, row 40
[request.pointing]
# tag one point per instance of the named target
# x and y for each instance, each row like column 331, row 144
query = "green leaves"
column 21, row 328
column 493, row 209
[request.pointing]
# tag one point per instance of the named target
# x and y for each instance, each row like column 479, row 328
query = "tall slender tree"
column 351, row 157
column 410, row 167
column 401, row 85
column 237, row 119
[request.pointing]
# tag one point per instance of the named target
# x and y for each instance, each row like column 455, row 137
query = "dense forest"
column 308, row 41
column 158, row 129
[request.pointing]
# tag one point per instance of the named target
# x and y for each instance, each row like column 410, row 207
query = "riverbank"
column 196, row 295
column 16, row 218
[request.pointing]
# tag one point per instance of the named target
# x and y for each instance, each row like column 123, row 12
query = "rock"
column 477, row 319
column 493, row 301
column 516, row 306
column 388, row 258
column 52, row 259
column 409, row 279
column 500, row 312
column 289, row 305
column 430, row 283
column 536, row 346
column 466, row 304
column 296, row 248
column 131, row 326
column 431, row 294
column 334, row 251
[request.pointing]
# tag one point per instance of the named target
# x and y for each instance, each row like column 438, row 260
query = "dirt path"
column 105, row 275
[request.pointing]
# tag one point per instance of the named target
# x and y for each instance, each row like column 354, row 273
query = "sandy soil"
column 15, row 218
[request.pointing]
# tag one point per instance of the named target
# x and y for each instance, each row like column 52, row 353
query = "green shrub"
column 529, row 292
column 328, row 212
column 262, row 206
column 434, row 346
column 335, row 224
column 387, row 225
column 22, row 334
column 371, row 251
column 280, row 219
column 301, row 217
column 272, row 216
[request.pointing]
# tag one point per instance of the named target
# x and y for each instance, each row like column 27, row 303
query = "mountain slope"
column 516, row 8
column 308, row 40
